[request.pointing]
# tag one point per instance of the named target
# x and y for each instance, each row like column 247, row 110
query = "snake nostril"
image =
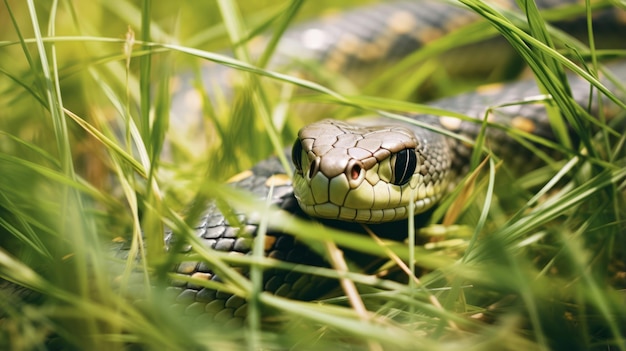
column 355, row 172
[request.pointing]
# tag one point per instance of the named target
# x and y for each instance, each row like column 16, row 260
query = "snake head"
column 363, row 173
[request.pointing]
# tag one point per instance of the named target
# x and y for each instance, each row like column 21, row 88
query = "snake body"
column 217, row 234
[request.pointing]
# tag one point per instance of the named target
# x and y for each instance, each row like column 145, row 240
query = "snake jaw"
column 364, row 173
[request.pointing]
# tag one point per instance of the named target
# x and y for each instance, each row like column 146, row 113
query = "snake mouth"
column 334, row 199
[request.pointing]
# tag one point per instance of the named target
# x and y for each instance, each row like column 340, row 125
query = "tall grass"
column 531, row 261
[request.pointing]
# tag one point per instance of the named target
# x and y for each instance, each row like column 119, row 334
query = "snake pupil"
column 404, row 164
column 296, row 155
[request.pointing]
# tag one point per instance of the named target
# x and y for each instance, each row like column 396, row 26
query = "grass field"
column 509, row 261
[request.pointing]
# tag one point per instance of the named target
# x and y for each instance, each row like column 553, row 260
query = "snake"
column 377, row 170
column 370, row 170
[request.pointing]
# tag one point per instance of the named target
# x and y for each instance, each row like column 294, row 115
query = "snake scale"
column 354, row 40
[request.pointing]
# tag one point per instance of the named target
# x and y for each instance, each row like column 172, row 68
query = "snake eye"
column 296, row 155
column 403, row 164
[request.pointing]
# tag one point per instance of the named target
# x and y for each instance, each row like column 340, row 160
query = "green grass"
column 532, row 261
